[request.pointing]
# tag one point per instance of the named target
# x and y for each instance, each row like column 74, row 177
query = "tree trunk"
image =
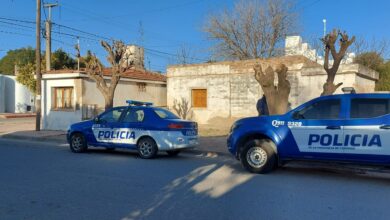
column 277, row 96
column 329, row 42
column 108, row 101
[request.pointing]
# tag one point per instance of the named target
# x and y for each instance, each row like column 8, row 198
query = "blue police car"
column 137, row 126
column 345, row 128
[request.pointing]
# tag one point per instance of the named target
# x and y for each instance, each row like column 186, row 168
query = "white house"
column 69, row 96
column 14, row 97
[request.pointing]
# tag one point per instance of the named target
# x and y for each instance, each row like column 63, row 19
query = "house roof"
column 130, row 74
column 287, row 60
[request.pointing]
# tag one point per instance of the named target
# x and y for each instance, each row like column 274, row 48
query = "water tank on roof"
column 136, row 56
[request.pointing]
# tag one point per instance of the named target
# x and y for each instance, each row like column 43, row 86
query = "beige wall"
column 155, row 92
column 232, row 90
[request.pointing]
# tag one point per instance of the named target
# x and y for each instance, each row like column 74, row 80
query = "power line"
column 81, row 31
column 98, row 37
column 15, row 33
column 172, row 55
column 15, row 24
column 17, row 20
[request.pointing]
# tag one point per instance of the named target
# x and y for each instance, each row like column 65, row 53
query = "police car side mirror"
column 96, row 120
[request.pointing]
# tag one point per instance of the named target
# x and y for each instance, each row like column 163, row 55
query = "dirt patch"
column 217, row 126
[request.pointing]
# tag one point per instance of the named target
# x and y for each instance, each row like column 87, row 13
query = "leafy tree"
column 383, row 83
column 26, row 76
column 376, row 62
column 20, row 56
column 61, row 60
column 372, row 60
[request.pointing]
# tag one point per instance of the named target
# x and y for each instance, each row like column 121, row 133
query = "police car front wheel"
column 258, row 156
column 78, row 143
column 147, row 148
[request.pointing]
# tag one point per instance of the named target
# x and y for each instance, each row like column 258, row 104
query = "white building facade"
column 70, row 96
column 15, row 97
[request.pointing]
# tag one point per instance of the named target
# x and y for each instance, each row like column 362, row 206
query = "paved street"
column 47, row 181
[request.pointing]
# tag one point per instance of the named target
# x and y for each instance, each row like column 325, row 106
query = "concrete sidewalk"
column 208, row 145
column 17, row 115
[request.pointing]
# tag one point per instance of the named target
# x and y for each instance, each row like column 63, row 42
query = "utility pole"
column 48, row 36
column 38, row 68
column 78, row 53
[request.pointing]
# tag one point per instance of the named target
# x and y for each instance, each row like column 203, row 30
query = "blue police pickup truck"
column 138, row 126
column 344, row 128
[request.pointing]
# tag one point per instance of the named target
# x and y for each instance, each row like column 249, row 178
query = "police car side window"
column 369, row 108
column 326, row 109
column 111, row 116
column 134, row 116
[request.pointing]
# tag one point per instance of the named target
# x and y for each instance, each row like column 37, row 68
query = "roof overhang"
column 59, row 76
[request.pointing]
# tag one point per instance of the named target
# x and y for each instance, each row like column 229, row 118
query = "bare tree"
column 118, row 59
column 181, row 107
column 362, row 45
column 253, row 29
column 184, row 55
column 329, row 42
column 277, row 96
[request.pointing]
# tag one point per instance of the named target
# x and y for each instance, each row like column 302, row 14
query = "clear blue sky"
column 170, row 24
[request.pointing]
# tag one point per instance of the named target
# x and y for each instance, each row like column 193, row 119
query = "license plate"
column 193, row 141
column 191, row 133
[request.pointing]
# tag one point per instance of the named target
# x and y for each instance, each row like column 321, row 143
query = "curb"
column 36, row 139
column 18, row 116
column 208, row 153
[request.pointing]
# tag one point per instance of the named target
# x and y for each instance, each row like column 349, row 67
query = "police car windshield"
column 165, row 114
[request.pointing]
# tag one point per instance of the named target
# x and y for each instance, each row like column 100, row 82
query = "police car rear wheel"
column 78, row 143
column 147, row 148
column 257, row 156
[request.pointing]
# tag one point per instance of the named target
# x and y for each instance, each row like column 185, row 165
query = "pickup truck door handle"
column 333, row 127
column 385, row 127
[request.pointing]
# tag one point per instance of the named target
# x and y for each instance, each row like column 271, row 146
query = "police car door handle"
column 333, row 127
column 385, row 127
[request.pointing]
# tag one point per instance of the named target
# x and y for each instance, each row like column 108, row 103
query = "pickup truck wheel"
column 78, row 143
column 258, row 156
column 147, row 148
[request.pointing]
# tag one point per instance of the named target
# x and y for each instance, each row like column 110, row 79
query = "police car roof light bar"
column 348, row 90
column 138, row 103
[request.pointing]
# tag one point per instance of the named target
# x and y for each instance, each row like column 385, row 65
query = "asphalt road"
column 47, row 181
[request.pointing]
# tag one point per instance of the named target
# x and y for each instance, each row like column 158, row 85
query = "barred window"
column 141, row 87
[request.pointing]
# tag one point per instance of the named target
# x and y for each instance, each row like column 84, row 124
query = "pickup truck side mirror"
column 296, row 115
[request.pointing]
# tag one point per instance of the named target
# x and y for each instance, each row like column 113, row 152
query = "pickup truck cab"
column 352, row 128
